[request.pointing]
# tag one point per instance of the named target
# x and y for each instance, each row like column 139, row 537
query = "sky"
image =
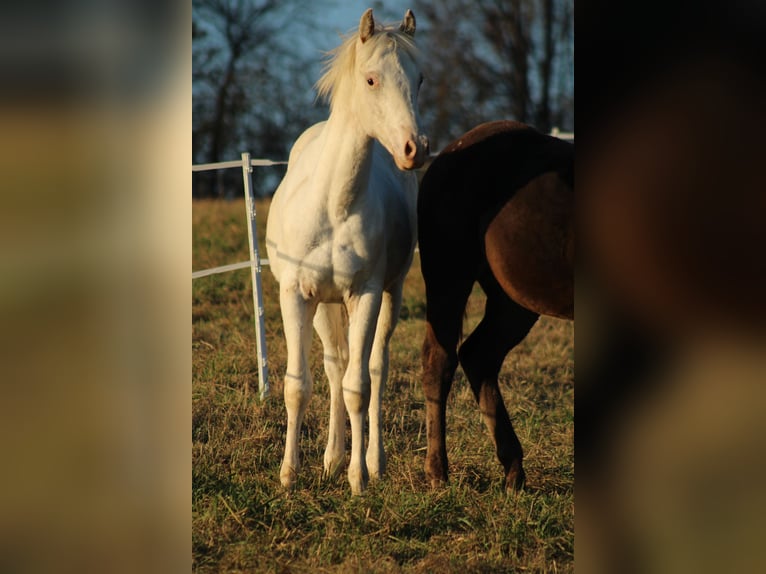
column 341, row 16
column 345, row 14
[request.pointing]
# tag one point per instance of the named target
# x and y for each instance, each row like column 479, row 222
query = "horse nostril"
column 409, row 149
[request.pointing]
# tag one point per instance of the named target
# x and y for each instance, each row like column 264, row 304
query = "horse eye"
column 370, row 81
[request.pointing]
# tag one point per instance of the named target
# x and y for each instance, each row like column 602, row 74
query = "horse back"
column 484, row 167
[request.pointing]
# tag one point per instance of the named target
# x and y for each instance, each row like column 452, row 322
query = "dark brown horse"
column 494, row 207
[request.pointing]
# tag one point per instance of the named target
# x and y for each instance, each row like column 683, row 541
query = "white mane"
column 340, row 61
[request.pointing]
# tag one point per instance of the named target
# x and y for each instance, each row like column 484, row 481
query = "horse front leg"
column 389, row 314
column 363, row 312
column 298, row 387
column 331, row 327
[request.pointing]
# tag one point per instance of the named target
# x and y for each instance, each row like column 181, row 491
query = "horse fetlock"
column 436, row 470
column 358, row 478
column 332, row 464
column 515, row 477
column 288, row 475
column 376, row 463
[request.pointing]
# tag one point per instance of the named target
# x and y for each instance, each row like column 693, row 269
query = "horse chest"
column 338, row 263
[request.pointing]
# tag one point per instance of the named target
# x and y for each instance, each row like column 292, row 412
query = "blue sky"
column 345, row 14
column 341, row 16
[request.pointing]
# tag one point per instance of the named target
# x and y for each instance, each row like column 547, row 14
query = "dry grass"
column 244, row 521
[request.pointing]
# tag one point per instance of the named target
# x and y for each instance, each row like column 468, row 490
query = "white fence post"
column 255, row 271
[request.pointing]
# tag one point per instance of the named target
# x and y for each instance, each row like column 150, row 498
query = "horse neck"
column 345, row 162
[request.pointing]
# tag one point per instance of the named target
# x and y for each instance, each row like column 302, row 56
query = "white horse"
column 340, row 237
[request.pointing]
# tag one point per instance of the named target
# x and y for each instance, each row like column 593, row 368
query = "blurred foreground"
column 94, row 287
column 671, row 333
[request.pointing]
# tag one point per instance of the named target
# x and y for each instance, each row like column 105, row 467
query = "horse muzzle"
column 414, row 153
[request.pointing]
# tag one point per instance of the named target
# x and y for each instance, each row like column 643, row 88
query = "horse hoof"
column 516, row 479
column 376, row 468
column 438, row 483
column 357, row 490
column 437, row 480
column 288, row 477
column 376, row 475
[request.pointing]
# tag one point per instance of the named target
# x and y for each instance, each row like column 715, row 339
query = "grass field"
column 243, row 521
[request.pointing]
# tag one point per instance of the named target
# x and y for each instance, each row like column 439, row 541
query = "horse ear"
column 366, row 26
column 408, row 24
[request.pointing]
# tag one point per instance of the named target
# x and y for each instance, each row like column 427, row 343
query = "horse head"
column 385, row 85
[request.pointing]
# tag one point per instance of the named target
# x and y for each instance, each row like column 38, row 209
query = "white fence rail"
column 224, row 268
column 255, row 263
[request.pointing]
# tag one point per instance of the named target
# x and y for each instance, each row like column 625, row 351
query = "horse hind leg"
column 504, row 325
column 331, row 326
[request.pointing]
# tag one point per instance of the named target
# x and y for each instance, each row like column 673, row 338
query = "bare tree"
column 495, row 59
column 543, row 118
column 250, row 92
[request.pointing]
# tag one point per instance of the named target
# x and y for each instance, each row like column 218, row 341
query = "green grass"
column 242, row 520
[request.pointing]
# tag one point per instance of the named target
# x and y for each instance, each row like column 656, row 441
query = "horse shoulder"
column 286, row 226
column 296, row 185
column 308, row 136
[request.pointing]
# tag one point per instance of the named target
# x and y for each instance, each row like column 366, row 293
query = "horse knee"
column 297, row 392
column 356, row 394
